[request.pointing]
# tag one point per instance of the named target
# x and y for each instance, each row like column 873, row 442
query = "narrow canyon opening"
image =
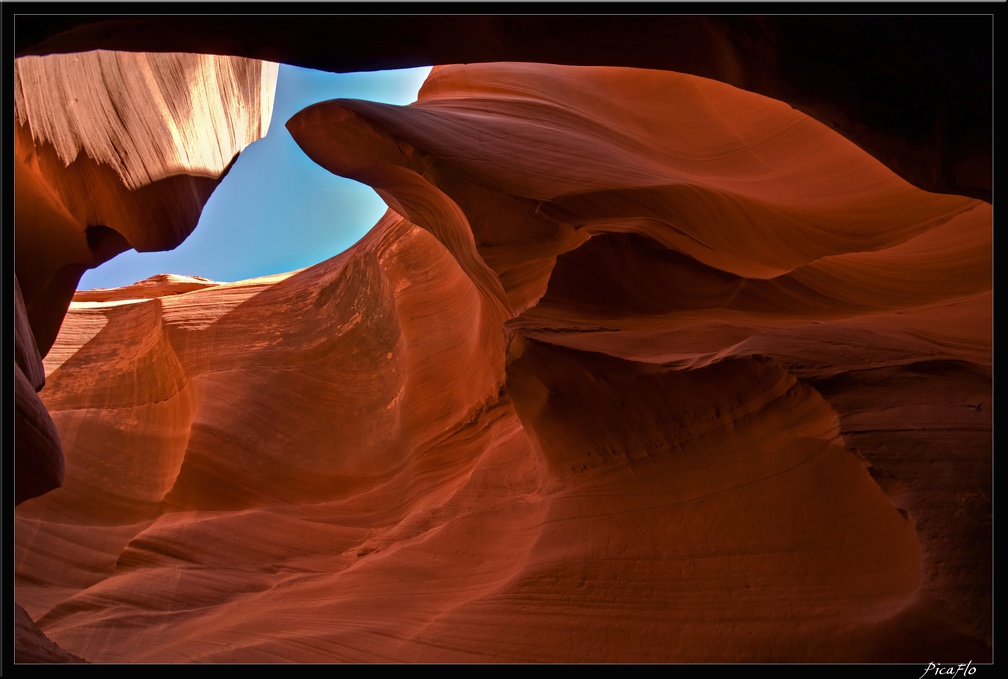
column 274, row 211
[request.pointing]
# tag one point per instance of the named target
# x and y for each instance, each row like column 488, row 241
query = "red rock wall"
column 117, row 150
column 113, row 151
column 913, row 90
column 637, row 367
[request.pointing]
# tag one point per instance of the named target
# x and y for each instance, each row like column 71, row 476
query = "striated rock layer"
column 913, row 90
column 117, row 150
column 112, row 151
column 638, row 367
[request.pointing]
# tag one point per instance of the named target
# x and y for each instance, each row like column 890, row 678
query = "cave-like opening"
column 276, row 210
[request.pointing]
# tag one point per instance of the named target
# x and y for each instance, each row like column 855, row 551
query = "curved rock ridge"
column 638, row 367
column 151, row 115
column 913, row 90
column 112, row 151
column 117, row 150
column 157, row 285
column 39, row 459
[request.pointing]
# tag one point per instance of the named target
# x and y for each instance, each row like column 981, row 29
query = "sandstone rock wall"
column 637, row 367
column 913, row 90
column 113, row 151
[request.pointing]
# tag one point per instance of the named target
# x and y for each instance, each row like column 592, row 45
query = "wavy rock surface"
column 637, row 367
column 117, row 150
column 114, row 151
column 913, row 90
column 111, row 151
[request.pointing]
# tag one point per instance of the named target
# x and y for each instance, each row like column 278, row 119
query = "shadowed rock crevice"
column 688, row 458
column 33, row 646
column 933, row 414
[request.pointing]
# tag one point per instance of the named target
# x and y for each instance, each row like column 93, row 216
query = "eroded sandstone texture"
column 913, row 90
column 637, row 367
column 112, row 151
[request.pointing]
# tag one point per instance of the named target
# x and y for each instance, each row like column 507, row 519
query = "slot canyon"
column 674, row 345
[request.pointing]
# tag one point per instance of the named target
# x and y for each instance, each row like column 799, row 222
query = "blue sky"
column 276, row 210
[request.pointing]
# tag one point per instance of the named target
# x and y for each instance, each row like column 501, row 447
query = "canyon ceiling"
column 674, row 345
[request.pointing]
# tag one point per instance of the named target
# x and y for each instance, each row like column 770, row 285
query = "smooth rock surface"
column 913, row 90
column 638, row 367
column 117, row 150
column 112, row 151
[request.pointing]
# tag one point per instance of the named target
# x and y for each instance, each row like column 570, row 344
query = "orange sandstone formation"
column 112, row 151
column 913, row 90
column 637, row 367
